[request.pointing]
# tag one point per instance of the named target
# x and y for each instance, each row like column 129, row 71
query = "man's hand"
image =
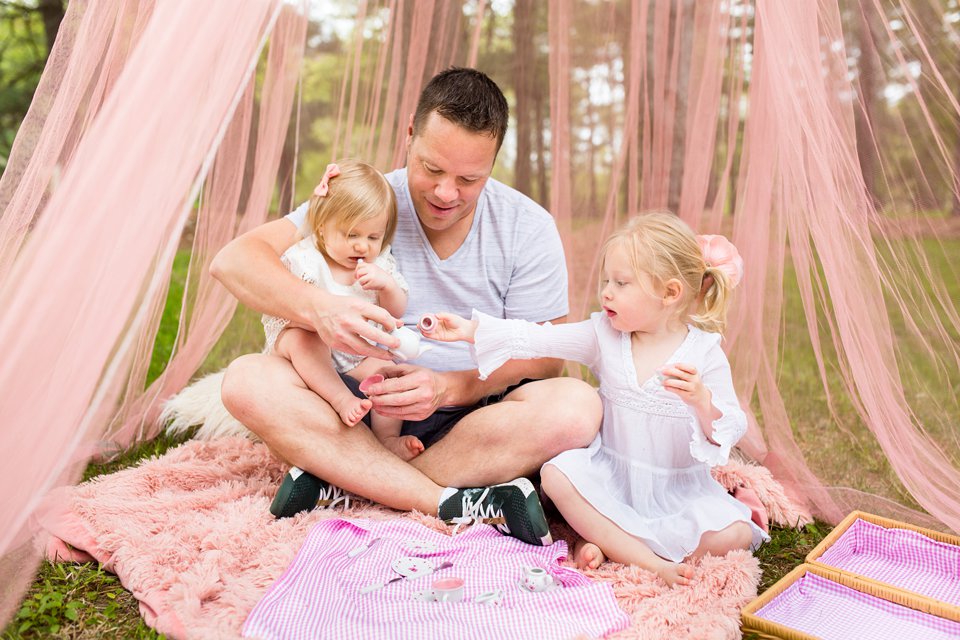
column 408, row 392
column 342, row 324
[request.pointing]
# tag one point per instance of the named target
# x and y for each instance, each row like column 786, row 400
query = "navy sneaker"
column 513, row 508
column 302, row 491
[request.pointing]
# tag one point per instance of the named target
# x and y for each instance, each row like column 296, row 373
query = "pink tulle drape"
column 746, row 118
column 127, row 127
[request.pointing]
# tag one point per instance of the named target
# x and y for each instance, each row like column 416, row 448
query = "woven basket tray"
column 764, row 628
column 928, row 604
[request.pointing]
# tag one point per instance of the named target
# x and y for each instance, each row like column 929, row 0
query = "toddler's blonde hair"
column 664, row 247
column 359, row 193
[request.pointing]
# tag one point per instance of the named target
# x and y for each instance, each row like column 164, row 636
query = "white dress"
column 649, row 468
column 306, row 262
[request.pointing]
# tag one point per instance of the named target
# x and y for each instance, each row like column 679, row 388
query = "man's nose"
column 446, row 190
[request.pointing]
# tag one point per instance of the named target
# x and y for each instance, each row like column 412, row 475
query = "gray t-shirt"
column 511, row 265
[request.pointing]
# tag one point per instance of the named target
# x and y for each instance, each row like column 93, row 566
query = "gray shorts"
column 435, row 426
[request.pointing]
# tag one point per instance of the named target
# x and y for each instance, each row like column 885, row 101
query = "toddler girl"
column 351, row 220
column 642, row 492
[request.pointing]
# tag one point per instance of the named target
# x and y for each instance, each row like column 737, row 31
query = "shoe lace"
column 331, row 496
column 475, row 510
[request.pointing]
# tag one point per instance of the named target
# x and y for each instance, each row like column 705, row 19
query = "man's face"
column 447, row 167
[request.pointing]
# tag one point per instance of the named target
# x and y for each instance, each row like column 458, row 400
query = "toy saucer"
column 554, row 584
column 419, row 547
column 411, row 567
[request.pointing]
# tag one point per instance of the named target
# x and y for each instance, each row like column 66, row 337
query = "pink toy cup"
column 448, row 589
column 428, row 323
column 369, row 381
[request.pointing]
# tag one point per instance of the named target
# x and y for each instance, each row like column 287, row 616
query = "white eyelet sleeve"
column 498, row 340
column 731, row 425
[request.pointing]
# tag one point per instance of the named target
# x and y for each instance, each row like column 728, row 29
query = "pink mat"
column 190, row 535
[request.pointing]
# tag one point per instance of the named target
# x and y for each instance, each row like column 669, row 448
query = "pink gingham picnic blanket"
column 905, row 559
column 319, row 596
column 831, row 611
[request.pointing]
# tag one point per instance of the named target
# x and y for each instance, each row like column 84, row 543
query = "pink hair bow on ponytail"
column 720, row 253
column 324, row 187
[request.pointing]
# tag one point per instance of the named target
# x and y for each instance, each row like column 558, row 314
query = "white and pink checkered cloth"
column 831, row 611
column 319, row 594
column 905, row 559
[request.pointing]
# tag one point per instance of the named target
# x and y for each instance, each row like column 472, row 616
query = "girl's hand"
column 371, row 277
column 684, row 380
column 449, row 327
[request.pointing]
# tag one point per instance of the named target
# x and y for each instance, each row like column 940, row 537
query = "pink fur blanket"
column 190, row 535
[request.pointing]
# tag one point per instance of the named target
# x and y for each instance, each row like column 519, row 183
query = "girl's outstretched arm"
column 449, row 327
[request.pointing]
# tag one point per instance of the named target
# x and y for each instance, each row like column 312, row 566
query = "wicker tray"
column 764, row 628
column 935, row 605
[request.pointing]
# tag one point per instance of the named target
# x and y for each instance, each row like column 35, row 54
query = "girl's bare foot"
column 587, row 555
column 351, row 408
column 404, row 447
column 675, row 574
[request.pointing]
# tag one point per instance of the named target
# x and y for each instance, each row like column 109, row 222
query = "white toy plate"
column 410, row 567
column 419, row 547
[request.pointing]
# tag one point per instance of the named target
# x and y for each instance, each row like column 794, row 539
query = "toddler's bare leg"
column 387, row 431
column 598, row 530
column 310, row 357
column 738, row 535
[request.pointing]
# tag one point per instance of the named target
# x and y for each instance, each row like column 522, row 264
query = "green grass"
column 83, row 601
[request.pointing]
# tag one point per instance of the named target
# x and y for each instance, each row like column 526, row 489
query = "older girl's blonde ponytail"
column 713, row 301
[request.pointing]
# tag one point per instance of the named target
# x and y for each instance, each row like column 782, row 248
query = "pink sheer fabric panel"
column 100, row 246
column 211, row 304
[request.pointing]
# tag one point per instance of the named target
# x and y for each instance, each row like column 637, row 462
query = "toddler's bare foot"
column 675, row 574
column 351, row 408
column 588, row 555
column 404, row 447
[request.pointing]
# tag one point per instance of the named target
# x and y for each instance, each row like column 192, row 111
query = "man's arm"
column 250, row 268
column 413, row 393
column 464, row 388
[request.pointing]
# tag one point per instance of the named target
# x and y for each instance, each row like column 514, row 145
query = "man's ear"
column 410, row 129
column 672, row 290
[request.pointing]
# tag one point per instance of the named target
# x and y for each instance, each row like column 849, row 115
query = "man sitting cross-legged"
column 463, row 241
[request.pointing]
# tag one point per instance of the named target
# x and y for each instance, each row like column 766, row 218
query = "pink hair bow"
column 720, row 253
column 324, row 187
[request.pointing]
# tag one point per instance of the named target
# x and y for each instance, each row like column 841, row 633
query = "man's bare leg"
column 516, row 436
column 266, row 394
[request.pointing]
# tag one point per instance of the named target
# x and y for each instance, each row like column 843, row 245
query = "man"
column 463, row 241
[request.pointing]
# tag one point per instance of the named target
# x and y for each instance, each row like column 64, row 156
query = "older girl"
column 642, row 492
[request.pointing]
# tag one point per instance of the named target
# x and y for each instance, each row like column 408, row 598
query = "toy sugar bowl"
column 535, row 580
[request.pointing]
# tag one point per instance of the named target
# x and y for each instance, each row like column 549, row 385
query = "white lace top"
column 306, row 262
column 649, row 468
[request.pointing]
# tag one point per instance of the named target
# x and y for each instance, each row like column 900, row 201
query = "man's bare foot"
column 588, row 555
column 675, row 574
column 404, row 447
column 351, row 408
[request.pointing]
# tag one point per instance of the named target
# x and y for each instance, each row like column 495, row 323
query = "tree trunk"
column 52, row 12
column 523, row 66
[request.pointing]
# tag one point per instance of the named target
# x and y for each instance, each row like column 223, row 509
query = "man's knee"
column 578, row 411
column 238, row 390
